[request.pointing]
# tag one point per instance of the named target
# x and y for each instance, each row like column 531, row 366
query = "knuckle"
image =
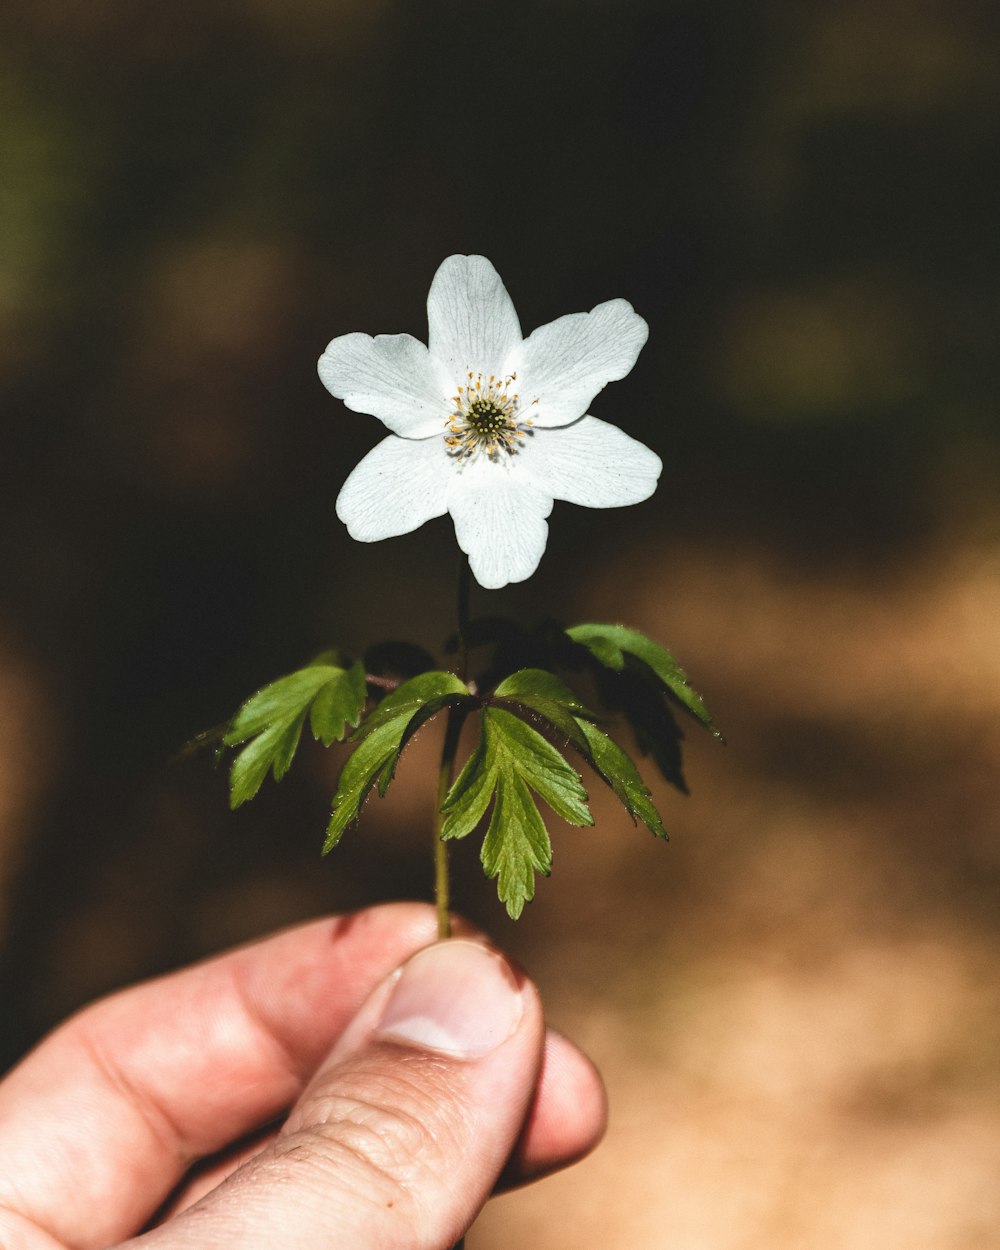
column 389, row 1143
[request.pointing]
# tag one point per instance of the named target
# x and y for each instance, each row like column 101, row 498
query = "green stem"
column 446, row 773
column 456, row 716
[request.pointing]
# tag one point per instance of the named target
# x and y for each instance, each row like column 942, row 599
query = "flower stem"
column 446, row 773
column 445, row 776
column 451, row 735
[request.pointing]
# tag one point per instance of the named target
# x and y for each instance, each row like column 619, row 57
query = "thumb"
column 399, row 1138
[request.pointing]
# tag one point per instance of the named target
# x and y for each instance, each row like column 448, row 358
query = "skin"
column 254, row 1100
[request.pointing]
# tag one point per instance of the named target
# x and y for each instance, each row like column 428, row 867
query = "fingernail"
column 456, row 998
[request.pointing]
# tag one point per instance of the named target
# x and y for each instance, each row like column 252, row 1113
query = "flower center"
column 484, row 419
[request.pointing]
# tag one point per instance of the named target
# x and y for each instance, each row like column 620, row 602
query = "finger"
column 566, row 1120
column 401, row 1135
column 103, row 1119
column 101, row 1123
column 567, row 1117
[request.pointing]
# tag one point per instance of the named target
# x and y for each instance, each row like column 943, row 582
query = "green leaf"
column 273, row 748
column 434, row 687
column 511, row 760
column 516, row 845
column 381, row 740
column 520, row 749
column 609, row 645
column 539, row 691
column 470, row 794
column 271, row 721
column 366, row 762
column 539, row 683
column 280, row 701
column 604, row 651
column 621, row 774
column 651, row 713
column 286, row 745
column 338, row 705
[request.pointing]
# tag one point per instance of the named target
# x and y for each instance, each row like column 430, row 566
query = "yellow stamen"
column 485, row 419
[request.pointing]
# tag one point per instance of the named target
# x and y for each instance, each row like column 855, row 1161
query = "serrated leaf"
column 516, row 845
column 252, row 765
column 539, row 683
column 274, row 748
column 652, row 717
column 359, row 774
column 509, row 747
column 610, row 643
column 271, row 721
column 436, row 686
column 282, row 700
column 541, row 692
column 470, row 794
column 604, row 651
column 510, row 761
column 381, row 739
column 286, row 745
column 521, row 750
column 388, row 771
column 621, row 774
column 338, row 705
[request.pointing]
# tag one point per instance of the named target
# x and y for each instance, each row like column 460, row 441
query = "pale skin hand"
column 410, row 1093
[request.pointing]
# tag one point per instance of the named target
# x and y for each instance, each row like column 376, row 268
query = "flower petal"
column 591, row 463
column 392, row 377
column 499, row 520
column 398, row 486
column 566, row 363
column 471, row 322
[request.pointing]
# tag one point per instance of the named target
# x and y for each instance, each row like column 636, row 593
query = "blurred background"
column 795, row 1001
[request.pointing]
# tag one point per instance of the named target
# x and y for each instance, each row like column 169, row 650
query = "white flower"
column 487, row 425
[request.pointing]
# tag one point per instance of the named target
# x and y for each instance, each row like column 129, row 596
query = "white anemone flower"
column 488, row 425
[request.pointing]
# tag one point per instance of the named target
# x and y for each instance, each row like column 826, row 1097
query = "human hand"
column 410, row 1092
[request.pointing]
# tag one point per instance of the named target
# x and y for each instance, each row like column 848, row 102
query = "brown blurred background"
column 795, row 1002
